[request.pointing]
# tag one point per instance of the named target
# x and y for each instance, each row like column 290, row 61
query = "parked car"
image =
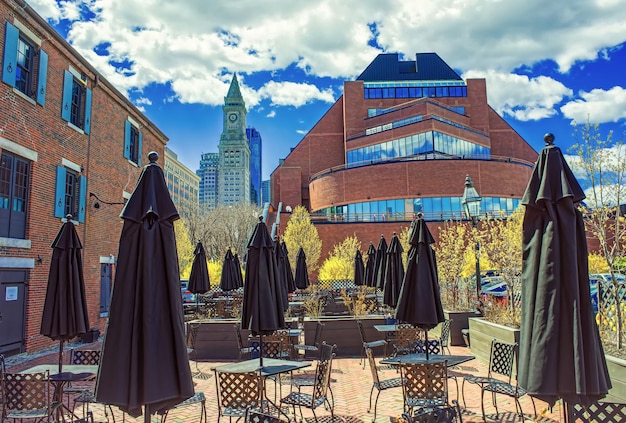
column 188, row 297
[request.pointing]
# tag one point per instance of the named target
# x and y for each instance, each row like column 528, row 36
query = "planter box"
column 617, row 372
column 459, row 322
column 217, row 340
column 483, row 332
column 343, row 332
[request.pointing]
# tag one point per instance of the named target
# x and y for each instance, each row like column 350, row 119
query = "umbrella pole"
column 146, row 414
column 60, row 356
column 261, row 350
column 426, row 346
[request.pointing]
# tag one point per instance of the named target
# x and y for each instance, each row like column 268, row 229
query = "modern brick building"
column 400, row 141
column 70, row 143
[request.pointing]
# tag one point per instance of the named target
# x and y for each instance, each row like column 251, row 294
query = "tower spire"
column 234, row 96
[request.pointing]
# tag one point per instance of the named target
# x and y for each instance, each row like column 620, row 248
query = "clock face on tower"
column 232, row 117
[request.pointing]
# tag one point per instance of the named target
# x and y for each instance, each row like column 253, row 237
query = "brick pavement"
column 351, row 386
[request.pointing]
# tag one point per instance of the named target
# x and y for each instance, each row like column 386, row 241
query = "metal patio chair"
column 237, row 392
column 377, row 383
column 28, row 396
column 369, row 344
column 425, row 385
column 317, row 340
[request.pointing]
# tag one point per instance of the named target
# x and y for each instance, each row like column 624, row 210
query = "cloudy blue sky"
column 547, row 63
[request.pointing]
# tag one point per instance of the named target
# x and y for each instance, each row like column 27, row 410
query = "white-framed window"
column 76, row 105
column 70, row 192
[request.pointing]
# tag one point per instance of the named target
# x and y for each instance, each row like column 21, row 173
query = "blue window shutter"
column 82, row 201
column 59, row 197
column 127, row 140
column 41, row 78
column 66, row 104
column 87, row 127
column 139, row 149
column 11, row 36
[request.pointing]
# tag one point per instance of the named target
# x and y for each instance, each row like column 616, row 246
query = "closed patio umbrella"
column 65, row 306
column 237, row 266
column 199, row 277
column 291, row 286
column 420, row 299
column 359, row 269
column 281, row 276
column 144, row 356
column 380, row 263
column 228, row 280
column 262, row 307
column 561, row 354
column 394, row 272
column 370, row 275
column 302, row 273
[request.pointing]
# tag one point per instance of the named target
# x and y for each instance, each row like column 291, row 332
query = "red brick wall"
column 100, row 154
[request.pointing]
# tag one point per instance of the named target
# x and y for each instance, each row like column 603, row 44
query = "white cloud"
column 294, row 94
column 301, row 131
column 195, row 45
column 271, row 114
column 522, row 97
column 143, row 100
column 599, row 106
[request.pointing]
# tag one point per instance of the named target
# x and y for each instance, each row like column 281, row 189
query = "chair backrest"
column 597, row 412
column 434, row 346
column 318, row 334
column 272, row 348
column 253, row 416
column 361, row 331
column 427, row 382
column 407, row 336
column 192, row 335
column 326, row 351
column 372, row 363
column 501, row 358
column 284, row 343
column 27, row 391
column 91, row 357
column 237, row 390
column 444, row 339
column 322, row 378
column 238, row 331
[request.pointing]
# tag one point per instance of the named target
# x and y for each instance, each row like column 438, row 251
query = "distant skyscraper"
column 208, row 174
column 182, row 183
column 265, row 191
column 254, row 142
column 234, row 154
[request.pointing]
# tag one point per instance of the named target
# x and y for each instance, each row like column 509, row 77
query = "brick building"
column 400, row 141
column 70, row 143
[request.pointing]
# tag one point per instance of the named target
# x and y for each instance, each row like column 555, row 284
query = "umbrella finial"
column 153, row 156
column 260, row 218
column 69, row 216
column 549, row 138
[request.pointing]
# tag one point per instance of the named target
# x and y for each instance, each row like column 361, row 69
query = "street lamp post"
column 471, row 201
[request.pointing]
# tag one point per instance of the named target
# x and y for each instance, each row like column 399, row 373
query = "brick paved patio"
column 351, row 386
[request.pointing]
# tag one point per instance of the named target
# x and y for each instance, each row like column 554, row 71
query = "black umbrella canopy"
column 561, row 354
column 281, row 275
column 65, row 306
column 291, row 285
column 370, row 275
column 199, row 278
column 394, row 272
column 302, row 273
column 420, row 302
column 359, row 269
column 228, row 280
column 144, row 357
column 262, row 307
column 380, row 263
column 237, row 266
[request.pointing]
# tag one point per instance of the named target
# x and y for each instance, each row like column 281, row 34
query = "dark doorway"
column 12, row 307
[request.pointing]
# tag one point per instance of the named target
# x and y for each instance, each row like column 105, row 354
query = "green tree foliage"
column 300, row 232
column 184, row 248
column 340, row 263
column 454, row 239
column 600, row 163
column 502, row 243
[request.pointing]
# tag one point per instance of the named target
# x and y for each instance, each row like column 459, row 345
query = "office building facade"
column 255, row 143
column 182, row 183
column 208, row 174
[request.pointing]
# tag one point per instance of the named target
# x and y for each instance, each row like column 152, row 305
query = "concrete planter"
column 617, row 372
column 217, row 339
column 482, row 332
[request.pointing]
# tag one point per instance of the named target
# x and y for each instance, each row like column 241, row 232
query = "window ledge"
column 132, row 163
column 15, row 243
column 24, row 96
column 74, row 127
